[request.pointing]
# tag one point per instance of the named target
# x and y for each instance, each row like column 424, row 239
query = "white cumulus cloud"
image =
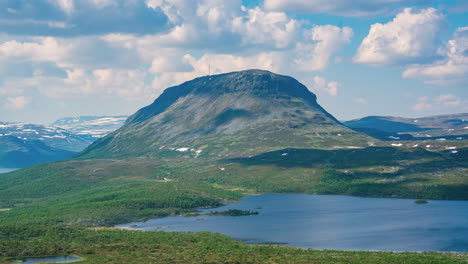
column 422, row 105
column 67, row 5
column 319, row 84
column 220, row 63
column 206, row 36
column 354, row 8
column 452, row 69
column 80, row 17
column 16, row 103
column 224, row 26
column 321, row 43
column 360, row 100
column 37, row 49
column 448, row 100
column 172, row 62
column 442, row 102
column 260, row 27
column 412, row 36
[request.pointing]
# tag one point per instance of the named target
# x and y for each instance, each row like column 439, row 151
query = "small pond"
column 333, row 222
column 55, row 259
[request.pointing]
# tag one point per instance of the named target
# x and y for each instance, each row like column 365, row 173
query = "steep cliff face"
column 238, row 112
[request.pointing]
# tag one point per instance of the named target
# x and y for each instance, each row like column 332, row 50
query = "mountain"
column 401, row 124
column 453, row 126
column 94, row 126
column 203, row 143
column 23, row 145
column 53, row 137
column 19, row 153
column 215, row 139
column 239, row 113
column 29, row 144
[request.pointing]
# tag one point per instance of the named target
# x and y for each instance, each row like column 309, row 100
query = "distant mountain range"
column 453, row 126
column 94, row 126
column 205, row 142
column 28, row 144
column 19, row 153
column 225, row 136
column 51, row 136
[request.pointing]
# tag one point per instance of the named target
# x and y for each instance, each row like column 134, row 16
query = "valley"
column 25, row 145
column 390, row 128
column 329, row 222
column 206, row 142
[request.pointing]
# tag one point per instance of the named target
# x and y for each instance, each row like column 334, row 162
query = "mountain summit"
column 252, row 83
column 234, row 113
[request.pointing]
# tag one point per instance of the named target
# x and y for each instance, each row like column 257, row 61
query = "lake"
column 5, row 170
column 55, row 259
column 333, row 222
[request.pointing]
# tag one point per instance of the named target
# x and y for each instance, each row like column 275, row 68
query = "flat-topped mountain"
column 240, row 112
column 216, row 138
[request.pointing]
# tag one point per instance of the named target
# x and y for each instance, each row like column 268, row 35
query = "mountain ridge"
column 404, row 124
column 450, row 126
column 29, row 144
column 19, row 153
column 54, row 137
column 239, row 109
column 236, row 83
column 93, row 126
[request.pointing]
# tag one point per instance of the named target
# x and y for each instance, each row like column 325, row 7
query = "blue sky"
column 104, row 57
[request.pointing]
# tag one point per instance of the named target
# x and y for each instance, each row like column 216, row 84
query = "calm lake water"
column 334, row 222
column 56, row 259
column 5, row 170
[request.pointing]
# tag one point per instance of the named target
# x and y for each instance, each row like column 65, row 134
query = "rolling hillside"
column 454, row 127
column 205, row 142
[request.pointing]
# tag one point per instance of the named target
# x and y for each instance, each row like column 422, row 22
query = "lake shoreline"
column 167, row 227
column 274, row 244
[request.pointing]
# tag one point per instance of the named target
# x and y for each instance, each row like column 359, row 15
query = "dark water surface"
column 59, row 259
column 334, row 222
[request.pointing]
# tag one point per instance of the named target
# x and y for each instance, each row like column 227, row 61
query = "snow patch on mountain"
column 94, row 126
column 55, row 137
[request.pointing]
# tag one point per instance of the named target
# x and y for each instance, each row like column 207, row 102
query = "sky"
column 63, row 58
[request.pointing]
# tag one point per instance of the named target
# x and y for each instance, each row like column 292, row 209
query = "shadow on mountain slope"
column 375, row 171
column 341, row 158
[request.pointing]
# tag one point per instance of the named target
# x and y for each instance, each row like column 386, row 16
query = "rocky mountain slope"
column 229, row 114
